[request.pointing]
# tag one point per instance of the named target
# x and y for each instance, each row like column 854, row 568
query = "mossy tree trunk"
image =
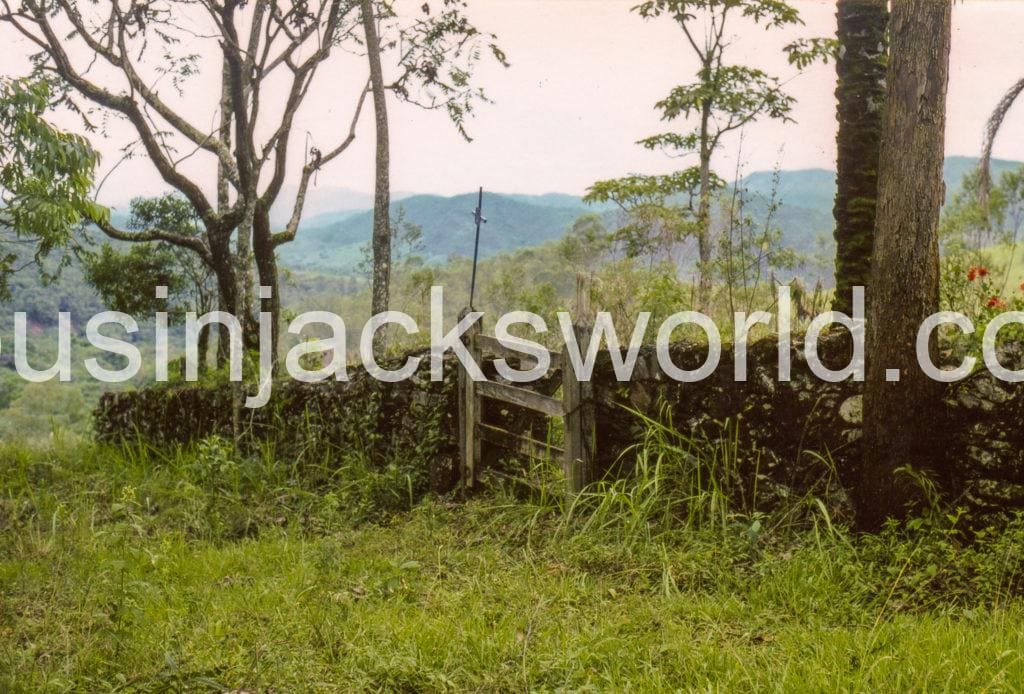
column 704, row 249
column 381, row 289
column 901, row 427
column 860, row 96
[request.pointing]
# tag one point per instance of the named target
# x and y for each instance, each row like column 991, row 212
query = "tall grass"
column 703, row 491
column 670, row 482
column 676, row 481
column 206, row 568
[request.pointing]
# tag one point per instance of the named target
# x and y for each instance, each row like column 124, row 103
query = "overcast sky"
column 585, row 75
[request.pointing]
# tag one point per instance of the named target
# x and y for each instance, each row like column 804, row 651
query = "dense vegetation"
column 153, row 570
column 215, row 552
column 540, row 278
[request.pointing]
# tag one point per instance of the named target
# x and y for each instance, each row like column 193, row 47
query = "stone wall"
column 414, row 422
column 786, row 429
column 790, row 426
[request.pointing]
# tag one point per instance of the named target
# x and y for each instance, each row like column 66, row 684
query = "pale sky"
column 584, row 78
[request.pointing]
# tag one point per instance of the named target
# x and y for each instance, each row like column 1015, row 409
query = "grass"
column 140, row 570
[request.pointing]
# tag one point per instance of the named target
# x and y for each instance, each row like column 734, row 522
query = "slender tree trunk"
column 243, row 277
column 704, row 211
column 203, row 304
column 224, row 131
column 237, row 84
column 900, row 428
column 225, row 302
column 860, row 96
column 382, row 184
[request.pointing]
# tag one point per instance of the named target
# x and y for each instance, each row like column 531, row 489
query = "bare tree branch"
column 311, row 167
column 121, row 59
column 193, row 243
column 122, row 104
column 995, row 122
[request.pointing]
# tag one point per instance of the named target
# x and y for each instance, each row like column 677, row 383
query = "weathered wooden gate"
column 575, row 408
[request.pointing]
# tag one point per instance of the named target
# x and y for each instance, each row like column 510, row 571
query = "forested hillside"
column 447, row 223
column 334, row 241
column 331, row 245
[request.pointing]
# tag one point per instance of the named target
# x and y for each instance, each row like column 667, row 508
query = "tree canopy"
column 46, row 176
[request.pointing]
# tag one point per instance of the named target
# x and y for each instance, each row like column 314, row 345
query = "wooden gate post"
column 469, row 408
column 580, row 428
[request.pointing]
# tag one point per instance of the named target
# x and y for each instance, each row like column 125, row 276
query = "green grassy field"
column 201, row 570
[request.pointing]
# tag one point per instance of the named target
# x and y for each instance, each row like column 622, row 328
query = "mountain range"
column 513, row 221
column 333, row 240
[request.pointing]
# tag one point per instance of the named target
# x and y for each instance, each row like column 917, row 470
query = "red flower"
column 995, row 302
column 976, row 271
column 982, row 272
column 1022, row 286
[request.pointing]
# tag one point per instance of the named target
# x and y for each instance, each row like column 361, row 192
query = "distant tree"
column 585, row 244
column 902, row 437
column 46, row 177
column 724, row 98
column 660, row 211
column 10, row 386
column 969, row 225
column 125, row 278
column 860, row 96
column 750, row 249
column 41, row 410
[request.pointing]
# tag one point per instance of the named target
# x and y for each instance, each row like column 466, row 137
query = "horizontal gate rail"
column 575, row 408
column 520, row 443
column 521, row 397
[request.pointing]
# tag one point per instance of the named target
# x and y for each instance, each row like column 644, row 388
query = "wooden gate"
column 575, row 408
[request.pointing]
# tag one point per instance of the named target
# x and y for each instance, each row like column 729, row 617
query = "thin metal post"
column 479, row 218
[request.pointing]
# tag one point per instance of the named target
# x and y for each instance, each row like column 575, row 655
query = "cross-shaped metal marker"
column 479, row 219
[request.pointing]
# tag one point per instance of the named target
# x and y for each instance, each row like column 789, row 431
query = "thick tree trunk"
column 204, row 347
column 900, row 424
column 227, row 287
column 382, row 184
column 860, row 96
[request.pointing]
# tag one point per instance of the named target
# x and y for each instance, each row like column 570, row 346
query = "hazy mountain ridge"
column 513, row 221
column 815, row 189
column 334, row 241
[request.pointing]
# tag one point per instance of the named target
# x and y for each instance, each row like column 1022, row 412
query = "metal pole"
column 478, row 217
